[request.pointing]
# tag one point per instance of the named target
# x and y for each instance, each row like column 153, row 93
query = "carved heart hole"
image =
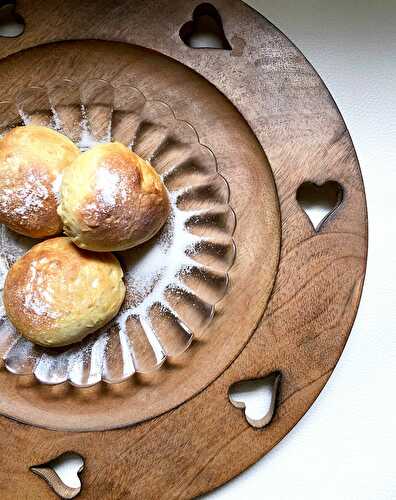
column 11, row 23
column 319, row 202
column 62, row 474
column 205, row 30
column 257, row 397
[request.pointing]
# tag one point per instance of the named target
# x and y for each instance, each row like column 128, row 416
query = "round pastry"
column 32, row 160
column 111, row 199
column 57, row 294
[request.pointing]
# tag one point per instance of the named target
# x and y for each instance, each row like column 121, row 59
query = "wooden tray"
column 267, row 116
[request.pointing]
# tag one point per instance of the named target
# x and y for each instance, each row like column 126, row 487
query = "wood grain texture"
column 206, row 441
column 257, row 236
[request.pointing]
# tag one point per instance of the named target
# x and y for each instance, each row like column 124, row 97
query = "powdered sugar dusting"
column 3, row 274
column 56, row 121
column 56, row 186
column 27, row 199
column 165, row 260
column 27, row 120
column 37, row 300
column 107, row 186
column 87, row 138
column 157, row 270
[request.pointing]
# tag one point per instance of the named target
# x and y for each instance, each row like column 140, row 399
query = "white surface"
column 254, row 396
column 344, row 448
column 68, row 468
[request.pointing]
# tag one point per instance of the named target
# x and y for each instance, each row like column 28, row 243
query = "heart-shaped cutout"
column 257, row 397
column 319, row 201
column 62, row 474
column 11, row 23
column 205, row 30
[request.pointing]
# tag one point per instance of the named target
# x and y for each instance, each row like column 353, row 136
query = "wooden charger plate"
column 266, row 115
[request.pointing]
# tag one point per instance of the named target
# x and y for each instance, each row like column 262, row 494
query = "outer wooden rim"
column 206, row 441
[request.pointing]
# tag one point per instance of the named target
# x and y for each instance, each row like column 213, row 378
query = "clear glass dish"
column 175, row 280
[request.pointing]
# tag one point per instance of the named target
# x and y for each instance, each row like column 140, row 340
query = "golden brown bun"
column 57, row 294
column 32, row 160
column 111, row 199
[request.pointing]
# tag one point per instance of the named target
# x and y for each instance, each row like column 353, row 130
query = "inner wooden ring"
column 241, row 161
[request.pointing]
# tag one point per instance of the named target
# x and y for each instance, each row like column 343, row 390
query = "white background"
column 345, row 447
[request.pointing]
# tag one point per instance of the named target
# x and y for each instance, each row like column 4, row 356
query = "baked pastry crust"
column 111, row 199
column 32, row 160
column 57, row 294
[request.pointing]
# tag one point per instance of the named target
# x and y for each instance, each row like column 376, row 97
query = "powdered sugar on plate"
column 157, row 270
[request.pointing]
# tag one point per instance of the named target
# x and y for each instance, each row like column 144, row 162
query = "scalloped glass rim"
column 151, row 128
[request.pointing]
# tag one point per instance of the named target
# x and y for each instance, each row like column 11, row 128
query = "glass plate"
column 176, row 279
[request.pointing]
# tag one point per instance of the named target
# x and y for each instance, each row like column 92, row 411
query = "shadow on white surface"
column 67, row 468
column 319, row 202
column 11, row 24
column 256, row 398
column 205, row 29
